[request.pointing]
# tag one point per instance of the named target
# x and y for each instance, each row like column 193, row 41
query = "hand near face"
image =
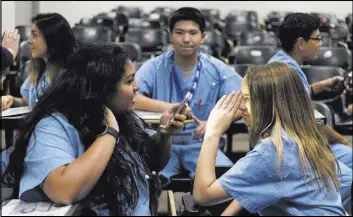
column 110, row 119
column 176, row 122
column 222, row 115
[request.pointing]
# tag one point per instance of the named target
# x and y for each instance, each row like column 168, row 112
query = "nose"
column 186, row 37
column 29, row 41
column 136, row 86
column 320, row 43
column 242, row 106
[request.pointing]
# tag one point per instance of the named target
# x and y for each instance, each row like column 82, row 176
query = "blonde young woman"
column 291, row 169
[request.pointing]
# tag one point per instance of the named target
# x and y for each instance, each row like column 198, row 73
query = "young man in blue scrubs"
column 167, row 79
column 300, row 38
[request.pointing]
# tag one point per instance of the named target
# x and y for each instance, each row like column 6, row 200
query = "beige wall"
column 75, row 10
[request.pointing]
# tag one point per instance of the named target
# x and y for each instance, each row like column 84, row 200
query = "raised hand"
column 110, row 119
column 222, row 115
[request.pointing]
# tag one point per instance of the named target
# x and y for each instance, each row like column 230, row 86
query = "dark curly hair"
column 297, row 25
column 81, row 93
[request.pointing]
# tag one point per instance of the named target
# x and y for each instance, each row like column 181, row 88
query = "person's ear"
column 203, row 37
column 301, row 42
column 170, row 36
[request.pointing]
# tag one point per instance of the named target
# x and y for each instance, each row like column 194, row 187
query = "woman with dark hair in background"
column 51, row 42
column 82, row 139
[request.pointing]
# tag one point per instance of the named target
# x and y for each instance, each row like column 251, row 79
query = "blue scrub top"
column 31, row 92
column 158, row 81
column 255, row 183
column 283, row 57
column 57, row 143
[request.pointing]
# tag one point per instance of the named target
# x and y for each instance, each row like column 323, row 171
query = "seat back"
column 349, row 21
column 257, row 38
column 149, row 39
column 326, row 39
column 333, row 56
column 319, row 73
column 133, row 49
column 253, row 54
column 274, row 20
column 335, row 103
column 24, row 31
column 88, row 34
column 206, row 49
column 241, row 68
column 210, row 14
column 327, row 111
column 131, row 12
column 213, row 38
column 327, row 21
column 241, row 21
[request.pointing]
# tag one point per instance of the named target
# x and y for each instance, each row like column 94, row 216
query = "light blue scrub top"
column 32, row 93
column 283, row 57
column 254, row 182
column 57, row 143
column 158, row 81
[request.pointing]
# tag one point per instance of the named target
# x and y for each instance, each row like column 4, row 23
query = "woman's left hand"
column 176, row 122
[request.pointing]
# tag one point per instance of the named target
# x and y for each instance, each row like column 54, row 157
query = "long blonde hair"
column 278, row 100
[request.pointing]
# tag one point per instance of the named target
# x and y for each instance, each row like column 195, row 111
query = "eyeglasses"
column 317, row 39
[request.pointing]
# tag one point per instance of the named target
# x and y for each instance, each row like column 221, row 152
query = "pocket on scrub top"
column 203, row 111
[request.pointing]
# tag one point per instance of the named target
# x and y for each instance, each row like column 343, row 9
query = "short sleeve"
column 145, row 78
column 251, row 182
column 25, row 89
column 231, row 80
column 302, row 76
column 49, row 148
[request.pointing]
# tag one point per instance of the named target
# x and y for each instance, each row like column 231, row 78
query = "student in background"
column 300, row 38
column 166, row 80
column 83, row 142
column 9, row 50
column 51, row 42
column 291, row 169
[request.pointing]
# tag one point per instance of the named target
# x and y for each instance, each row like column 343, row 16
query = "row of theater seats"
column 125, row 24
column 236, row 40
column 239, row 28
column 255, row 50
